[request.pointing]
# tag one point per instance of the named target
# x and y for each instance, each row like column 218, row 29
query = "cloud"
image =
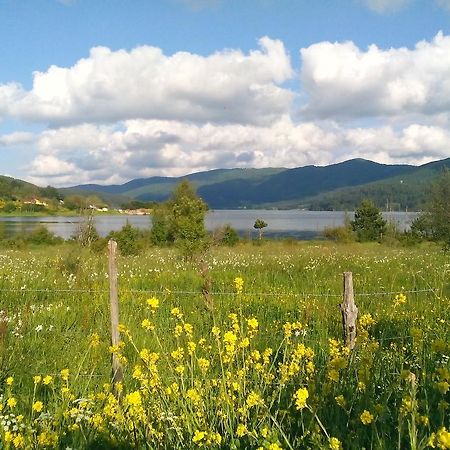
column 385, row 6
column 225, row 87
column 144, row 148
column 341, row 80
column 414, row 144
column 445, row 4
column 16, row 138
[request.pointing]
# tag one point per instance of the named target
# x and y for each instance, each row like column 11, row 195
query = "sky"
column 104, row 91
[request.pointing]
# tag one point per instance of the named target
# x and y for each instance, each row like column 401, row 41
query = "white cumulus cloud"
column 108, row 86
column 385, row 6
column 142, row 148
column 342, row 80
column 16, row 138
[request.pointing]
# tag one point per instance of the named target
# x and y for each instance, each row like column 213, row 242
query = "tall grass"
column 253, row 366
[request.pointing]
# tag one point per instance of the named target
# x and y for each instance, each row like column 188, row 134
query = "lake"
column 290, row 223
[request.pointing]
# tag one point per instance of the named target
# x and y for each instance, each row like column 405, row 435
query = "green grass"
column 54, row 299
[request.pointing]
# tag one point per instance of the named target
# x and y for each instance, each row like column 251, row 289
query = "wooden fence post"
column 117, row 372
column 349, row 312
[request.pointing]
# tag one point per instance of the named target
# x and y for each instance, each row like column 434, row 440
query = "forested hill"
column 337, row 186
column 15, row 189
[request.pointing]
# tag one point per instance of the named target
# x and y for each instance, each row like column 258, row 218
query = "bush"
column 42, row 236
column 86, row 234
column 368, row 224
column 226, row 235
column 128, row 239
column 181, row 221
column 338, row 234
column 9, row 207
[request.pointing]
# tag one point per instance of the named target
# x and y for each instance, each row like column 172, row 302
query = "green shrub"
column 42, row 236
column 128, row 239
column 226, row 235
column 368, row 224
column 339, row 234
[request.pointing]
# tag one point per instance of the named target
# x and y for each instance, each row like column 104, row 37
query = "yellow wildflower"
column 177, row 313
column 153, row 303
column 47, row 380
column 194, row 396
column 252, row 323
column 443, row 438
column 37, row 379
column 215, row 332
column 94, row 340
column 253, row 399
column 188, row 329
column 11, row 402
column 443, row 387
column 147, row 325
column 274, row 446
column 38, row 406
column 241, row 430
column 65, row 374
column 203, row 364
column 9, row 381
column 340, row 400
column 8, row 437
column 191, row 346
column 19, row 441
column 238, row 285
column 300, row 398
column 334, row 443
column 366, row 418
column 198, row 436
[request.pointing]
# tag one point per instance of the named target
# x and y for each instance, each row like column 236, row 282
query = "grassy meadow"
column 242, row 350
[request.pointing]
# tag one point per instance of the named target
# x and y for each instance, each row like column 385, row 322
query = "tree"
column 434, row 222
column 181, row 221
column 368, row 224
column 127, row 239
column 259, row 225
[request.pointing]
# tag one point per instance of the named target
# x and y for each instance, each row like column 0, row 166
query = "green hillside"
column 339, row 186
column 403, row 192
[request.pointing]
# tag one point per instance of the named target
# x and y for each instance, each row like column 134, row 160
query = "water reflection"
column 291, row 223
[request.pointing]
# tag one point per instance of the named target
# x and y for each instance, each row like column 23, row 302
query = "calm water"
column 293, row 223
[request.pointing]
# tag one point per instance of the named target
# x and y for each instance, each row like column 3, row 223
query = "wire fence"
column 218, row 293
column 175, row 292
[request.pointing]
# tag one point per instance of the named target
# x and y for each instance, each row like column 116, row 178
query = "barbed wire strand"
column 218, row 293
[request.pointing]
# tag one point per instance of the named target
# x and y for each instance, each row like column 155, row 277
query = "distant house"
column 96, row 208
column 35, row 201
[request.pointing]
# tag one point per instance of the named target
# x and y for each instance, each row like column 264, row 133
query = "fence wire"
column 218, row 293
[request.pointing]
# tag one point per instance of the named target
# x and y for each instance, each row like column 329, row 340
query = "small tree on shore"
column 181, row 221
column 434, row 222
column 368, row 224
column 259, row 225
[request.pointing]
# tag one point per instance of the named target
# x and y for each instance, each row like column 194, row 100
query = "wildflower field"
column 241, row 351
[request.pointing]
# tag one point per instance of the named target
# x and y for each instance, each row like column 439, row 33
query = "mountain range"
column 337, row 186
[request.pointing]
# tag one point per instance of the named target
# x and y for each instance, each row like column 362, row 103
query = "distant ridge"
column 337, row 186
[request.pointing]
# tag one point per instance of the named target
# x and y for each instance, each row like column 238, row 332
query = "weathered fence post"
column 117, row 371
column 349, row 312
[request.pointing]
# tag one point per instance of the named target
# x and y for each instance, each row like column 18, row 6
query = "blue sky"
column 106, row 91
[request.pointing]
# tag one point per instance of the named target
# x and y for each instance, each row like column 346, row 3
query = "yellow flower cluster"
column 366, row 417
column 238, row 285
column 399, row 299
column 339, row 355
column 300, row 397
